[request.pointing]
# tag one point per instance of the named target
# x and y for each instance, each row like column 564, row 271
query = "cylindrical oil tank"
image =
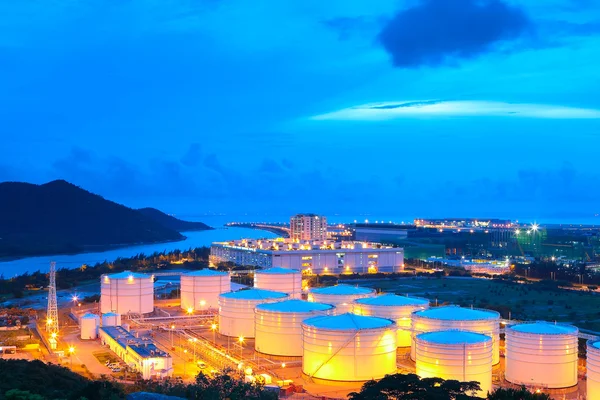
column 542, row 354
column 88, row 325
column 459, row 355
column 394, row 307
column 486, row 322
column 126, row 292
column 236, row 310
column 280, row 279
column 341, row 296
column 200, row 290
column 111, row 319
column 279, row 325
column 348, row 347
column 593, row 369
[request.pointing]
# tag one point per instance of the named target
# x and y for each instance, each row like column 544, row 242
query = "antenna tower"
column 52, row 314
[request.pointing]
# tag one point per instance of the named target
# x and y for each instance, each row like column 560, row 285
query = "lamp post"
column 213, row 328
column 71, row 351
column 172, row 329
column 241, row 340
column 184, row 362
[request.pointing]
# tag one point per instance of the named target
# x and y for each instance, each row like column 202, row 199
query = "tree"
column 411, row 387
column 16, row 394
column 516, row 394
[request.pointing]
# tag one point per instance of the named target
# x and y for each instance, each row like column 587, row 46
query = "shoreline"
column 100, row 248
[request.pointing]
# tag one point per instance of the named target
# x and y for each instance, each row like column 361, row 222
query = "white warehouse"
column 317, row 257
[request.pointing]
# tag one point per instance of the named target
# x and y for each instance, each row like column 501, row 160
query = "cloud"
column 437, row 31
column 455, row 108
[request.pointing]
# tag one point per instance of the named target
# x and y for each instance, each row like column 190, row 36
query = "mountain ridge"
column 59, row 217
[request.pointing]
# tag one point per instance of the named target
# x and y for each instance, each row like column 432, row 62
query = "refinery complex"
column 284, row 332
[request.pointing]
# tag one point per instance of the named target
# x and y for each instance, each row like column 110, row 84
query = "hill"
column 172, row 222
column 59, row 217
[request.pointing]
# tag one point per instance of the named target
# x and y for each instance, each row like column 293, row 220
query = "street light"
column 71, row 351
column 184, row 361
column 172, row 328
column 241, row 340
column 190, row 310
column 213, row 328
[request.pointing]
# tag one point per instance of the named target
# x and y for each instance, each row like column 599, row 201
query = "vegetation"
column 34, row 380
column 517, row 394
column 411, row 387
column 59, row 217
column 220, row 386
column 67, row 278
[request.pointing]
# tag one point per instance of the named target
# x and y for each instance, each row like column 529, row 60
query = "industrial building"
column 394, row 307
column 308, row 227
column 319, row 257
column 458, row 355
column 200, row 289
column 127, row 293
column 348, row 347
column 279, row 325
column 341, row 296
column 139, row 354
column 542, row 354
column 88, row 325
column 380, row 233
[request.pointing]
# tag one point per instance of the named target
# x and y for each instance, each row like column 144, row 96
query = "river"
column 193, row 239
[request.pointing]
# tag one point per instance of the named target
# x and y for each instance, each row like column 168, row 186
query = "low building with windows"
column 138, row 353
column 317, row 257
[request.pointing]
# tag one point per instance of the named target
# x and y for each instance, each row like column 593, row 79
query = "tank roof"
column 342, row 290
column 544, row 328
column 89, row 316
column 390, row 299
column 110, row 314
column 277, row 270
column 595, row 343
column 454, row 337
column 127, row 274
column 254, row 294
column 348, row 321
column 458, row 313
column 294, row 306
column 205, row 272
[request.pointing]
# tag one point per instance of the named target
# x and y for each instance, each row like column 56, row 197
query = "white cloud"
column 472, row 108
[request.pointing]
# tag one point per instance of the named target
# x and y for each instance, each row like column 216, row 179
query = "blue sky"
column 428, row 108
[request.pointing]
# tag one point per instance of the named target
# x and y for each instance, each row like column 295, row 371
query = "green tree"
column 516, row 394
column 411, row 387
column 16, row 394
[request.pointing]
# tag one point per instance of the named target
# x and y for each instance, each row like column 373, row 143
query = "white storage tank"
column 593, row 369
column 236, row 310
column 542, row 354
column 341, row 296
column 279, row 325
column 459, row 355
column 126, row 292
column 394, row 307
column 280, row 279
column 348, row 347
column 200, row 289
column 111, row 319
column 486, row 322
column 88, row 325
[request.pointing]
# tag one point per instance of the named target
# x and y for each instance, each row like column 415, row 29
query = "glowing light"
column 130, row 279
column 535, row 227
column 75, row 298
column 282, row 365
column 241, row 339
column 53, row 335
column 49, row 321
column 71, row 350
column 172, row 326
column 202, row 303
column 190, row 310
column 213, row 327
column 517, row 231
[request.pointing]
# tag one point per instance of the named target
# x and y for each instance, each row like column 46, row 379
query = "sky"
column 426, row 108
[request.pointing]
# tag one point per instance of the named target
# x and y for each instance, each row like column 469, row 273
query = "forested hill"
column 59, row 217
column 172, row 222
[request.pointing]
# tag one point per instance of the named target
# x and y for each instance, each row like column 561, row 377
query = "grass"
column 530, row 301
